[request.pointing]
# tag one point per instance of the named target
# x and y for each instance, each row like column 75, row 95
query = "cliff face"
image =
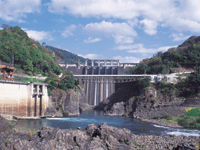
column 65, row 103
column 145, row 103
column 151, row 102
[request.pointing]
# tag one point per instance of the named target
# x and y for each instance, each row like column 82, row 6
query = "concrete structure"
column 99, row 67
column 100, row 87
column 23, row 99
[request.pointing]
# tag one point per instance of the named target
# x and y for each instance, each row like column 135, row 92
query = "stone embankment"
column 101, row 137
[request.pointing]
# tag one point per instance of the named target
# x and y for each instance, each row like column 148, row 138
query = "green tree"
column 28, row 66
column 67, row 81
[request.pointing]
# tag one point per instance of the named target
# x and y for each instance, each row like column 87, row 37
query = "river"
column 96, row 117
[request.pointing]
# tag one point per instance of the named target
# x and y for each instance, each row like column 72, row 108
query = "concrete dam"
column 101, row 77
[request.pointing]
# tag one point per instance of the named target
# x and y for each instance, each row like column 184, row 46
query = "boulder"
column 185, row 146
column 117, row 109
column 84, row 106
column 51, row 111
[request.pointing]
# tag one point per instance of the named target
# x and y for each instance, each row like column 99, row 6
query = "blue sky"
column 128, row 30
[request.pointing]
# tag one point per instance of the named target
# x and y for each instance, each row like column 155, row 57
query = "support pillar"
column 87, row 91
column 38, row 101
column 90, row 92
column 35, row 106
column 104, row 89
column 101, row 89
column 98, row 91
column 95, row 92
column 40, row 110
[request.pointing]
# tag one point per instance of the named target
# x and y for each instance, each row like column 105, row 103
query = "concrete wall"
column 21, row 99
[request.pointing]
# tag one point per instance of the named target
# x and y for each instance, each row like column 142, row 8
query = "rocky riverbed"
column 101, row 137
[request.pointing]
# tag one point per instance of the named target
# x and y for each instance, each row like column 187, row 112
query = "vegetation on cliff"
column 66, row 82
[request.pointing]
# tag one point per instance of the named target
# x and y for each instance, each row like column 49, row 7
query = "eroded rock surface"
column 101, row 137
column 65, row 103
column 118, row 109
column 146, row 103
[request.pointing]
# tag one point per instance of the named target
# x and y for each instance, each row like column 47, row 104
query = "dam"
column 100, row 77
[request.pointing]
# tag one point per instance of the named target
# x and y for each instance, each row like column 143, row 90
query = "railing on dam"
column 118, row 78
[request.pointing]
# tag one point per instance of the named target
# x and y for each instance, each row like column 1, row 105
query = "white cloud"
column 179, row 36
column 15, row 10
column 91, row 40
column 68, row 30
column 139, row 48
column 123, row 9
column 92, row 56
column 1, row 28
column 127, row 59
column 121, row 32
column 149, row 26
column 60, row 20
column 134, row 22
column 39, row 35
column 176, row 14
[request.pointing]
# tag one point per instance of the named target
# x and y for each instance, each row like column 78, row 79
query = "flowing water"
column 96, row 117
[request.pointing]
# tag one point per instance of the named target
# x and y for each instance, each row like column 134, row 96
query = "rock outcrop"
column 84, row 106
column 117, row 109
column 101, row 137
column 65, row 103
column 146, row 103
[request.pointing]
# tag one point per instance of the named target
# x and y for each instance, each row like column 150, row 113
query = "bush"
column 156, row 117
column 167, row 117
column 194, row 112
column 189, row 122
column 65, row 114
column 145, row 82
column 10, row 124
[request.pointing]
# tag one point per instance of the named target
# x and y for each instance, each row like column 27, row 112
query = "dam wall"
column 23, row 99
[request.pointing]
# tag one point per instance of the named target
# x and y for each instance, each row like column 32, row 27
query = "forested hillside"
column 185, row 55
column 66, row 55
column 29, row 56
